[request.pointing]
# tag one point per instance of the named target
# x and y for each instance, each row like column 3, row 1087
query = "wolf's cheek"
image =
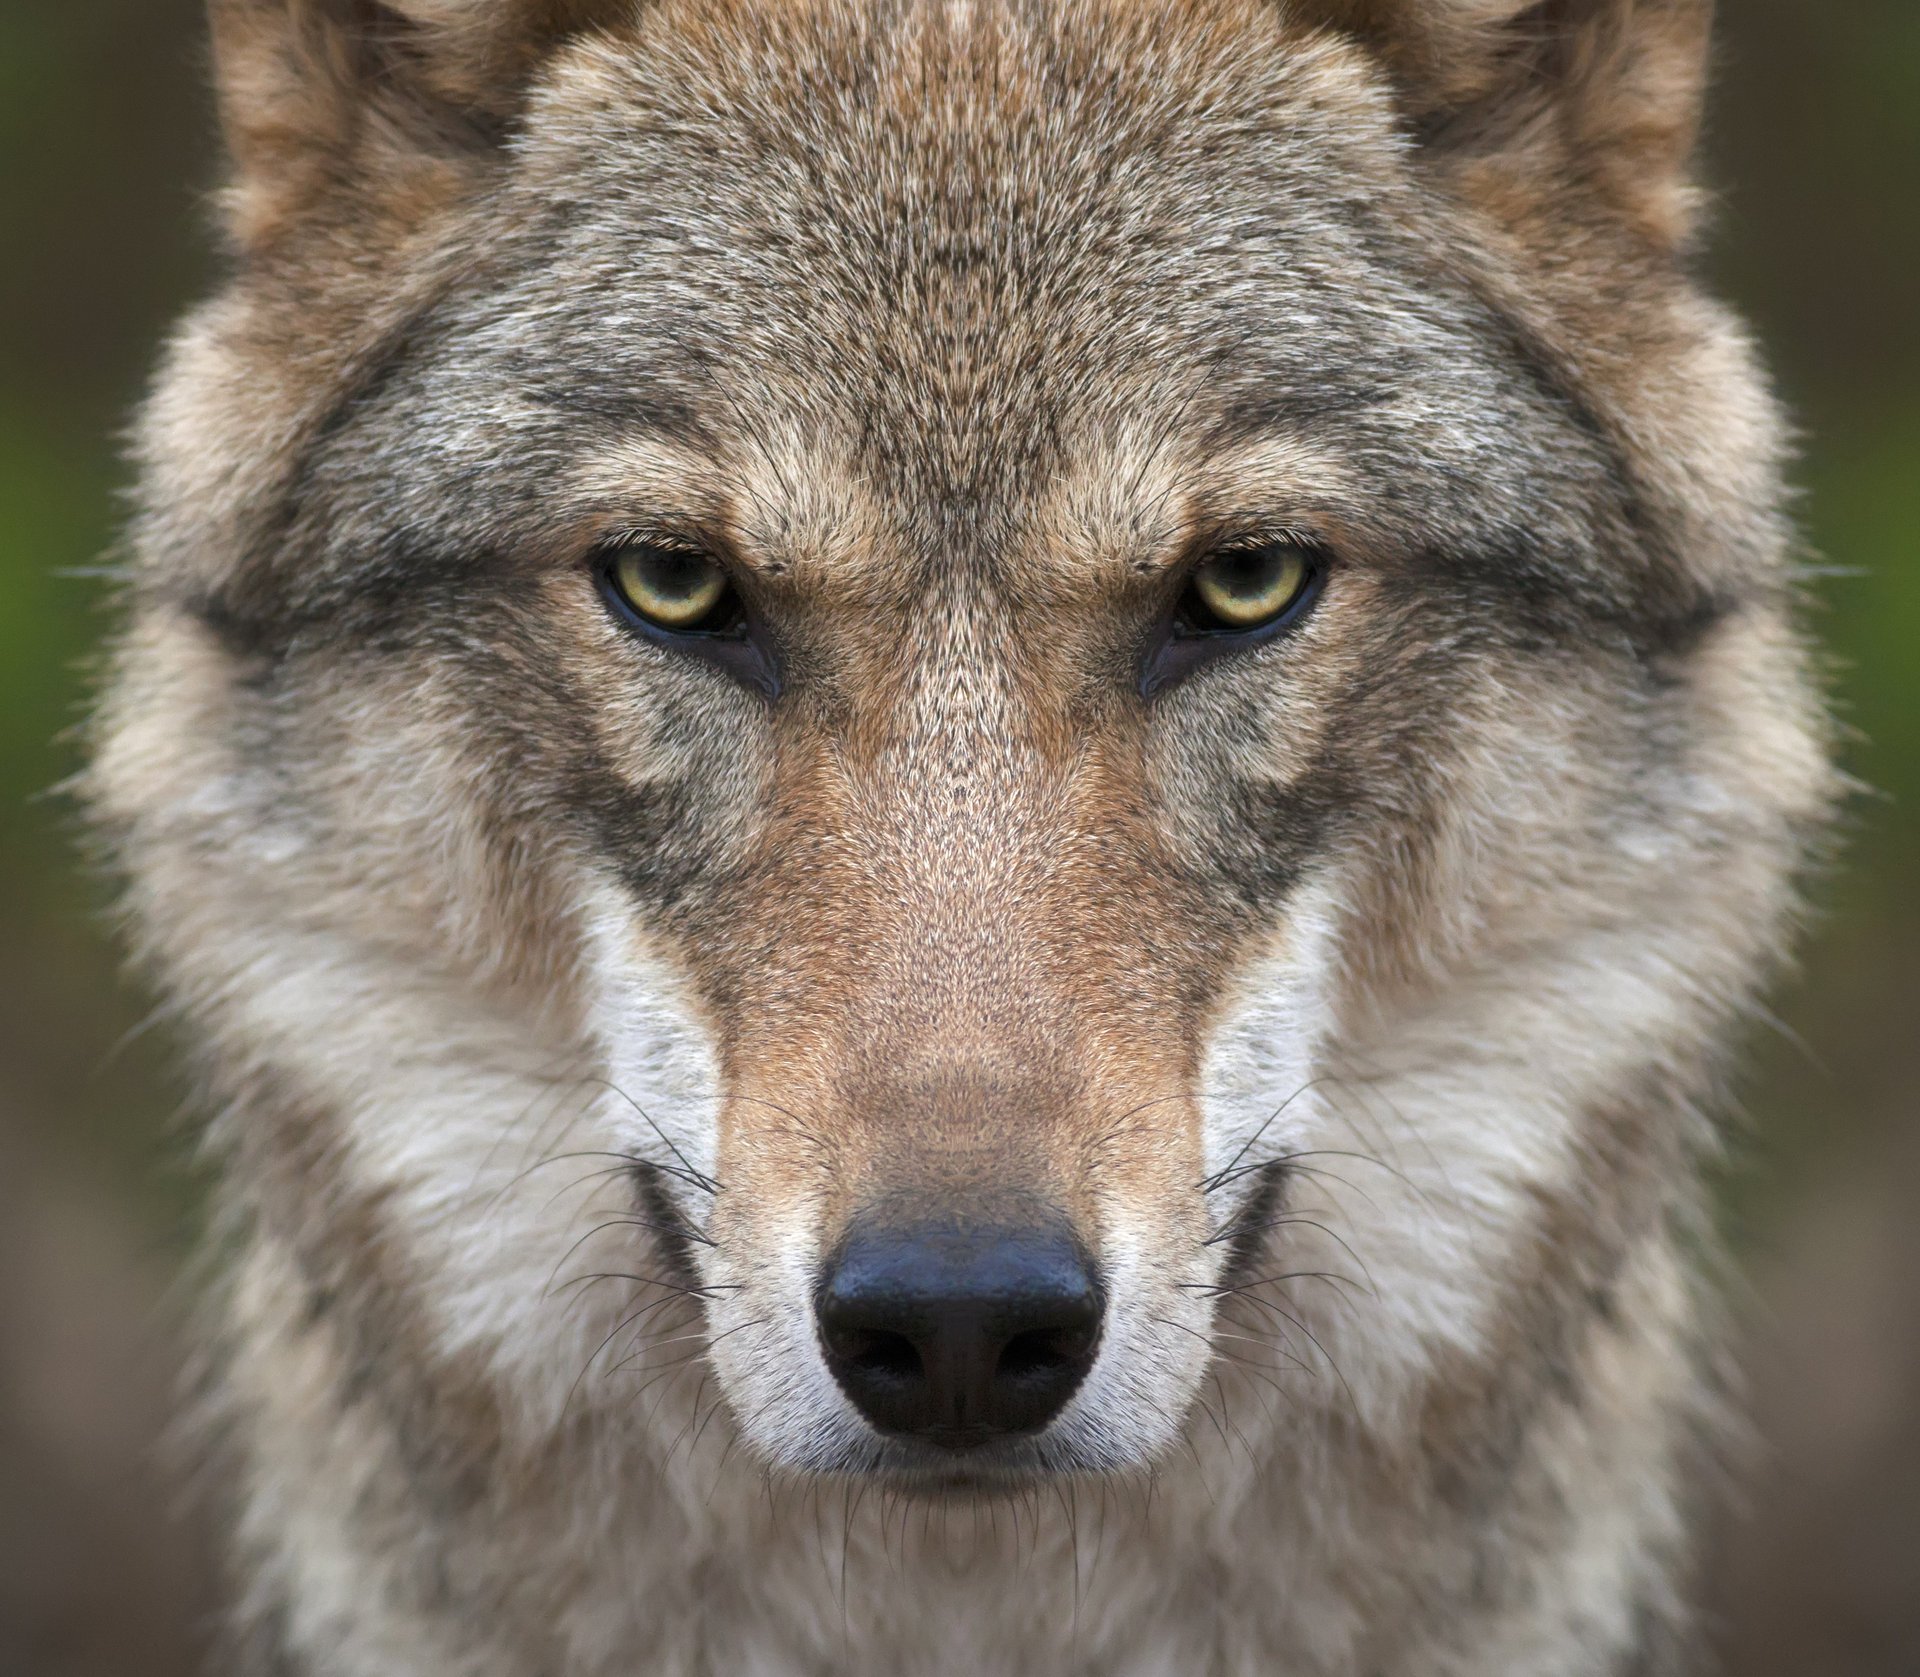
column 662, row 1061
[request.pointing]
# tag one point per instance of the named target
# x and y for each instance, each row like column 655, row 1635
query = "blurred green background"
column 106, row 152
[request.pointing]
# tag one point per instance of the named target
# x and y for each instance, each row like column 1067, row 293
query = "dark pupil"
column 1247, row 576
column 676, row 576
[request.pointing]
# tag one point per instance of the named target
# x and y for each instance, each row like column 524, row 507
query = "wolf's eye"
column 681, row 598
column 675, row 588
column 1246, row 588
column 1235, row 599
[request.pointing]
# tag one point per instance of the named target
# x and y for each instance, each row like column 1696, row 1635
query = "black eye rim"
column 739, row 645
column 1179, row 645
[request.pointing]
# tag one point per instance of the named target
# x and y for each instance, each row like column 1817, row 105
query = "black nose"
column 959, row 1335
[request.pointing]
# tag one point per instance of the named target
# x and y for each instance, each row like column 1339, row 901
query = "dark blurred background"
column 106, row 153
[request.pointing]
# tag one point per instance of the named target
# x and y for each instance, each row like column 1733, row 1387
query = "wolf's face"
column 1001, row 655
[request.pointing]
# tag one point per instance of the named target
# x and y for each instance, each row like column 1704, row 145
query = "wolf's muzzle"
column 958, row 1335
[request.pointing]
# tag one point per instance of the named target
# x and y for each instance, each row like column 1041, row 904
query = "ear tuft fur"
column 1608, row 91
column 319, row 94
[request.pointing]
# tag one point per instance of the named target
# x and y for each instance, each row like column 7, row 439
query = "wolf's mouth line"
column 675, row 1233
column 1246, row 1232
column 1007, row 1467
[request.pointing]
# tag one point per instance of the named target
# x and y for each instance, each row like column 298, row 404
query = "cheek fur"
column 663, row 1069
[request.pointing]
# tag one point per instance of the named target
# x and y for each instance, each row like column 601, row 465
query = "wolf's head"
column 979, row 706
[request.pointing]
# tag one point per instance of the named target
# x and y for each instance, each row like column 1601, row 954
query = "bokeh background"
column 106, row 154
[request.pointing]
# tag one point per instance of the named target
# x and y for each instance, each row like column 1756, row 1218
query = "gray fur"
column 558, row 997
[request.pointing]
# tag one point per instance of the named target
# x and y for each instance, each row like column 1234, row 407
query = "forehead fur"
column 949, row 210
column 957, row 244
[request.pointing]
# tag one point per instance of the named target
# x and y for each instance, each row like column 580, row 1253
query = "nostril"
column 877, row 1354
column 1045, row 1354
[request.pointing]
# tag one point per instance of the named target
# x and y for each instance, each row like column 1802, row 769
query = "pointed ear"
column 1603, row 93
column 320, row 95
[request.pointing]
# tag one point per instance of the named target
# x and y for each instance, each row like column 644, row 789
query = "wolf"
column 961, row 807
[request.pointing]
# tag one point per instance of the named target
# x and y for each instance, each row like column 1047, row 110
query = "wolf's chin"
column 1001, row 1471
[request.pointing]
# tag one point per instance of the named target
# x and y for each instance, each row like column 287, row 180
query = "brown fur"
column 563, row 1000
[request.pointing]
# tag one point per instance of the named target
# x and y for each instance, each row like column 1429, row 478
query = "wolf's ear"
column 1605, row 92
column 320, row 95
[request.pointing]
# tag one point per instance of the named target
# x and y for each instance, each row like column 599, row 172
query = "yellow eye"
column 1245, row 588
column 677, row 588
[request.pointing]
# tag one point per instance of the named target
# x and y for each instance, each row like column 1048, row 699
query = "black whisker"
column 687, row 1171
column 679, row 1287
column 626, row 1221
column 1312, row 1339
column 673, row 1291
column 1232, row 1170
column 1234, row 1289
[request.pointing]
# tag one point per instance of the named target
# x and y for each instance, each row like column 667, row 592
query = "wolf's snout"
column 958, row 1336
